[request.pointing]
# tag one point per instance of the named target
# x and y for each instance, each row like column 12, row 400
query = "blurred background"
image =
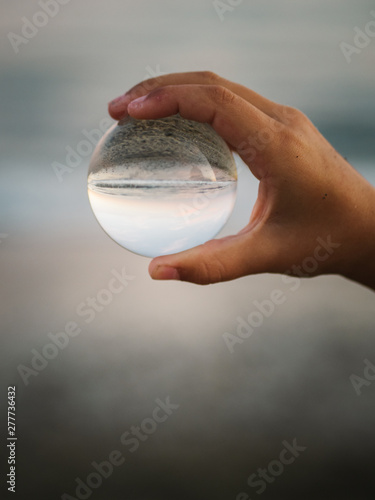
column 289, row 381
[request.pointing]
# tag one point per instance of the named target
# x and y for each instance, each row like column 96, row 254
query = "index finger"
column 118, row 107
column 233, row 118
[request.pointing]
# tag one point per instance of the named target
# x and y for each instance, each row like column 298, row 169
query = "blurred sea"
column 152, row 340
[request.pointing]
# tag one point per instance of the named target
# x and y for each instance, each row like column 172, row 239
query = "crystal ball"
column 161, row 186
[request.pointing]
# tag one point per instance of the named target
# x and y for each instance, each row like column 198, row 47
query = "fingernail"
column 165, row 273
column 117, row 101
column 137, row 103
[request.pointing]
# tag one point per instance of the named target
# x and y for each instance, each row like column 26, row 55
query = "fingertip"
column 163, row 272
column 117, row 114
column 117, row 101
column 117, row 108
column 113, row 114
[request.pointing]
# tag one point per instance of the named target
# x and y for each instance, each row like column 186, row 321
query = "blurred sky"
column 291, row 379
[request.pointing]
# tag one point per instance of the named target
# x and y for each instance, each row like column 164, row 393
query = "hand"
column 314, row 213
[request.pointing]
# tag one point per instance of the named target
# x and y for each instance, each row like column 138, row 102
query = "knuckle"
column 221, row 95
column 285, row 136
column 210, row 270
column 296, row 127
column 288, row 138
column 203, row 276
column 294, row 117
column 151, row 84
column 146, row 86
column 210, row 76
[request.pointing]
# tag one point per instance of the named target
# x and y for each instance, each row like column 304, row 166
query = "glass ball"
column 161, row 186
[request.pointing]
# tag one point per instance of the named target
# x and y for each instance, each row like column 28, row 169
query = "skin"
column 308, row 193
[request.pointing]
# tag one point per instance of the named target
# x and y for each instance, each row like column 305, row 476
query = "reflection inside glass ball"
column 161, row 186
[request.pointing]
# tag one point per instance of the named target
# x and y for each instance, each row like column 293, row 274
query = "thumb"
column 219, row 260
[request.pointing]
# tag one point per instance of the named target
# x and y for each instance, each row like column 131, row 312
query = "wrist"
column 360, row 240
